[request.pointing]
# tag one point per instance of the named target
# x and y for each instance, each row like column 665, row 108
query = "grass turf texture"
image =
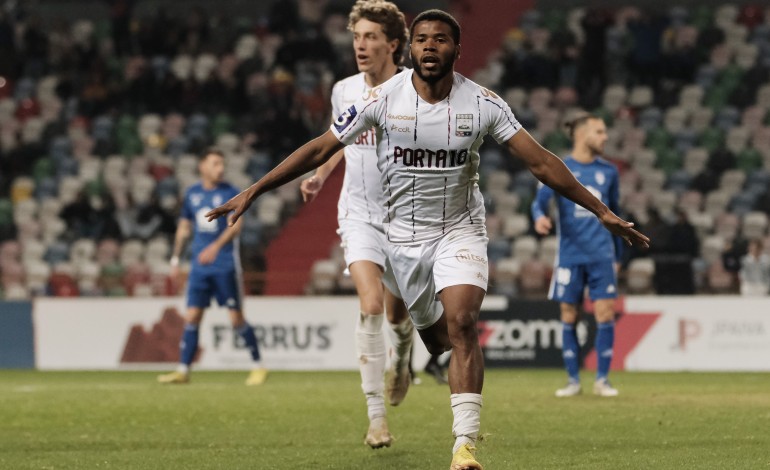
column 64, row 420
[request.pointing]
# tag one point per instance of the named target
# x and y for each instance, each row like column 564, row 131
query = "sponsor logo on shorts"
column 344, row 120
column 465, row 256
column 481, row 277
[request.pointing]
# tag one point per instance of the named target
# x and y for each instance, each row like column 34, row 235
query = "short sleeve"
column 337, row 93
column 187, row 211
column 360, row 117
column 502, row 124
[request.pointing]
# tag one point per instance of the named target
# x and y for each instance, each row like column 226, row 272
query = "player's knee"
column 371, row 305
column 462, row 327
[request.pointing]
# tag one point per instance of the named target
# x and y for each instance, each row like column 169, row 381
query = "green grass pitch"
column 316, row 420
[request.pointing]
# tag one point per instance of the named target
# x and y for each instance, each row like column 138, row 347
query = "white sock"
column 401, row 336
column 370, row 347
column 256, row 364
column 183, row 369
column 466, row 408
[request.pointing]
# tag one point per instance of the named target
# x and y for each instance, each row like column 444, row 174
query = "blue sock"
column 570, row 351
column 247, row 333
column 189, row 344
column 605, row 338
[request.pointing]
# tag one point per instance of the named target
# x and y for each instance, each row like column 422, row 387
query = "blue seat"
column 727, row 118
column 46, row 188
column 679, row 181
column 57, row 252
column 650, row 119
column 498, row 249
column 742, row 203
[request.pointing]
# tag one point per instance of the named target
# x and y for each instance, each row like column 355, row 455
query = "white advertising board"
column 295, row 333
column 727, row 333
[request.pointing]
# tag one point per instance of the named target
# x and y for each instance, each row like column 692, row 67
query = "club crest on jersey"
column 463, row 125
column 217, row 200
column 600, row 178
column 345, row 119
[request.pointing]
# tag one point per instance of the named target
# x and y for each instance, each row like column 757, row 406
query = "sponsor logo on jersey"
column 344, row 120
column 401, row 117
column 395, row 128
column 217, row 200
column 196, row 199
column 463, row 125
column 426, row 158
column 600, row 178
column 372, row 93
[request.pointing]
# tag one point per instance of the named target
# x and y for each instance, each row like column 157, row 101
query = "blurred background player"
column 215, row 266
column 379, row 38
column 755, row 270
column 588, row 254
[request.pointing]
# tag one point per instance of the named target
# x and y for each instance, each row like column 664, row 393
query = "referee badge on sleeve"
column 463, row 125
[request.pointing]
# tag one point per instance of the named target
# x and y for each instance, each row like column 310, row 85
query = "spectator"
column 755, row 271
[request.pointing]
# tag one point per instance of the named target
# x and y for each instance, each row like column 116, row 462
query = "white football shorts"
column 422, row 271
column 362, row 241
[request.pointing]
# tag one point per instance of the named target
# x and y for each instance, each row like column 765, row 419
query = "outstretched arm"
column 310, row 187
column 549, row 169
column 308, row 157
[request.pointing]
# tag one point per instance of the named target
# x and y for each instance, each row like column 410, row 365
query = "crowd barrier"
column 316, row 333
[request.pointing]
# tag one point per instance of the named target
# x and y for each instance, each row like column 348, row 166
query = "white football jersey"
column 361, row 197
column 428, row 154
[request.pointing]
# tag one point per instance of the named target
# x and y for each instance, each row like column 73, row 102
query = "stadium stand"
column 99, row 127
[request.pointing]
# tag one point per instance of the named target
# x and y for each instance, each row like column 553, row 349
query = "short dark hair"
column 438, row 15
column 577, row 122
column 210, row 151
column 387, row 15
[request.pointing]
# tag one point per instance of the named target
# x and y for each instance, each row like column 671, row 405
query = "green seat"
column 711, row 139
column 717, row 97
column 702, row 17
column 669, row 160
column 222, row 123
column 554, row 20
column 658, row 139
column 130, row 147
column 95, row 188
column 6, row 212
column 556, row 142
column 605, row 115
column 43, row 168
column 749, row 160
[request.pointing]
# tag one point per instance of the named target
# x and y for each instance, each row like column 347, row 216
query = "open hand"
column 310, row 188
column 237, row 205
column 625, row 230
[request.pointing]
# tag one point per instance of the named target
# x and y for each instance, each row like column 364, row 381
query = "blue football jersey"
column 197, row 202
column 582, row 238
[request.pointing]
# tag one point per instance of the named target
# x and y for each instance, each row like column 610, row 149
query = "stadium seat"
column 323, row 277
column 506, row 277
column 754, row 225
column 639, row 275
column 549, row 249
column 515, row 225
column 720, row 281
column 524, row 248
column 533, row 278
